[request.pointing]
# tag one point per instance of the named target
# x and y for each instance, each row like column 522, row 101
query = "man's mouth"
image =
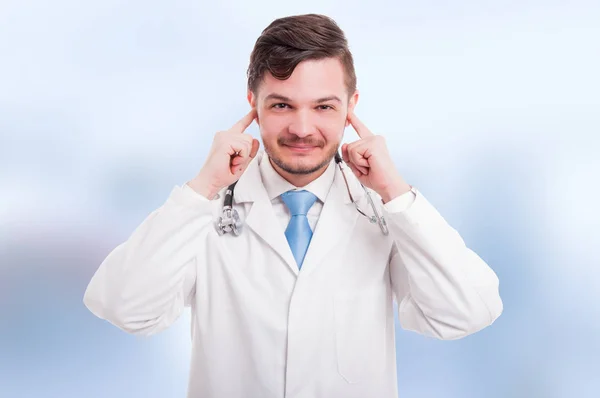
column 300, row 148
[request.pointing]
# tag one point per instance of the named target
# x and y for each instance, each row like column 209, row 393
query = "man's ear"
column 351, row 105
column 252, row 101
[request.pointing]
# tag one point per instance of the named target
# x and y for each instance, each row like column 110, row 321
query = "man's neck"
column 298, row 180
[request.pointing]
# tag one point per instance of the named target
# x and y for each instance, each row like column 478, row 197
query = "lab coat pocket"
column 360, row 334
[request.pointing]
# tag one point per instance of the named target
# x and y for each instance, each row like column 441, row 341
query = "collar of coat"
column 250, row 187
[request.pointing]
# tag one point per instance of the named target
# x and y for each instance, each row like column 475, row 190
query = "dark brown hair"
column 290, row 40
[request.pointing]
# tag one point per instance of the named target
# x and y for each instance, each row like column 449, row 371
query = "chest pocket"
column 360, row 334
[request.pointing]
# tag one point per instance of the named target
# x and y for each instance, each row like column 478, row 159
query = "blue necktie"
column 298, row 232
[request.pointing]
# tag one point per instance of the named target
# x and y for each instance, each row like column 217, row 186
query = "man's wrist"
column 201, row 187
column 394, row 191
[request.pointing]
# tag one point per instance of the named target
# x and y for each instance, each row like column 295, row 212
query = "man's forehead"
column 310, row 81
column 306, row 91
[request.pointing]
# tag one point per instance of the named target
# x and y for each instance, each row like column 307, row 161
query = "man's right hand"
column 231, row 152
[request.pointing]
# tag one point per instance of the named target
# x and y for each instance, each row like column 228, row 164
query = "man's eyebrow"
column 329, row 98
column 279, row 97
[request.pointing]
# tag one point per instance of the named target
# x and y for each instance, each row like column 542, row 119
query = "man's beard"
column 300, row 170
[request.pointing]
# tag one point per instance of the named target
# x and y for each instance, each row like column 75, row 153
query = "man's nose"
column 302, row 124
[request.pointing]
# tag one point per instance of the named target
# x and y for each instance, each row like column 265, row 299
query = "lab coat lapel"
column 335, row 224
column 261, row 218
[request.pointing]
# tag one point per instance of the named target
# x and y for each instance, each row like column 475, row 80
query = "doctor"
column 300, row 304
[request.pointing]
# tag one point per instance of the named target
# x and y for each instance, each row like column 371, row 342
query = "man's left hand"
column 370, row 161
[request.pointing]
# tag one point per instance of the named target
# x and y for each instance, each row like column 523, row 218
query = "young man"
column 300, row 303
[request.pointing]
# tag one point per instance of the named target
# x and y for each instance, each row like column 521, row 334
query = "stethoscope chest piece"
column 230, row 220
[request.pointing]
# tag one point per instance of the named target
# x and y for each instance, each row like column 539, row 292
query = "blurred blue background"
column 491, row 109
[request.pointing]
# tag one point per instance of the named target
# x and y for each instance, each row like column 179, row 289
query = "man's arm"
column 443, row 288
column 144, row 283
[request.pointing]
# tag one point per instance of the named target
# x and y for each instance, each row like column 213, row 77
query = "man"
column 300, row 303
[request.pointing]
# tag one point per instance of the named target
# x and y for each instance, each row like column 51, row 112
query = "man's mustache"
column 295, row 140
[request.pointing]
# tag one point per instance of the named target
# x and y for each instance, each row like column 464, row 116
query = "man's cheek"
column 335, row 127
column 272, row 126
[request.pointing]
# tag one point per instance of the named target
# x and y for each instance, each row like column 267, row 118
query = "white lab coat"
column 260, row 327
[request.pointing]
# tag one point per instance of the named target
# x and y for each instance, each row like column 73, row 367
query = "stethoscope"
column 230, row 220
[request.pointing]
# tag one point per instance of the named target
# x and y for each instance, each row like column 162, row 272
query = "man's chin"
column 301, row 164
column 296, row 168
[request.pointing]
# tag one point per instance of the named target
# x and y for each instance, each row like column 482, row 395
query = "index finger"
column 244, row 122
column 359, row 126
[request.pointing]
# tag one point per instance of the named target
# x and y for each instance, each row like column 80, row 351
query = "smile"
column 301, row 148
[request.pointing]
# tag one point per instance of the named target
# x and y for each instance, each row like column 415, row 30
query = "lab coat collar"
column 335, row 223
column 252, row 185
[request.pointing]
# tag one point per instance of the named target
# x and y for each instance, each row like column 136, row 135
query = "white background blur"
column 490, row 108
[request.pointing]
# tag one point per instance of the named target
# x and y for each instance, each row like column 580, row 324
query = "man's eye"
column 325, row 107
column 279, row 106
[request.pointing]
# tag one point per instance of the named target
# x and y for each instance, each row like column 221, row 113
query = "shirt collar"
column 275, row 184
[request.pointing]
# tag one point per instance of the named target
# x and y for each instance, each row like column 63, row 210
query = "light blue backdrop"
column 491, row 108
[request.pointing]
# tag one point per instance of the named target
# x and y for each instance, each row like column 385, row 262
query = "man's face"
column 302, row 119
